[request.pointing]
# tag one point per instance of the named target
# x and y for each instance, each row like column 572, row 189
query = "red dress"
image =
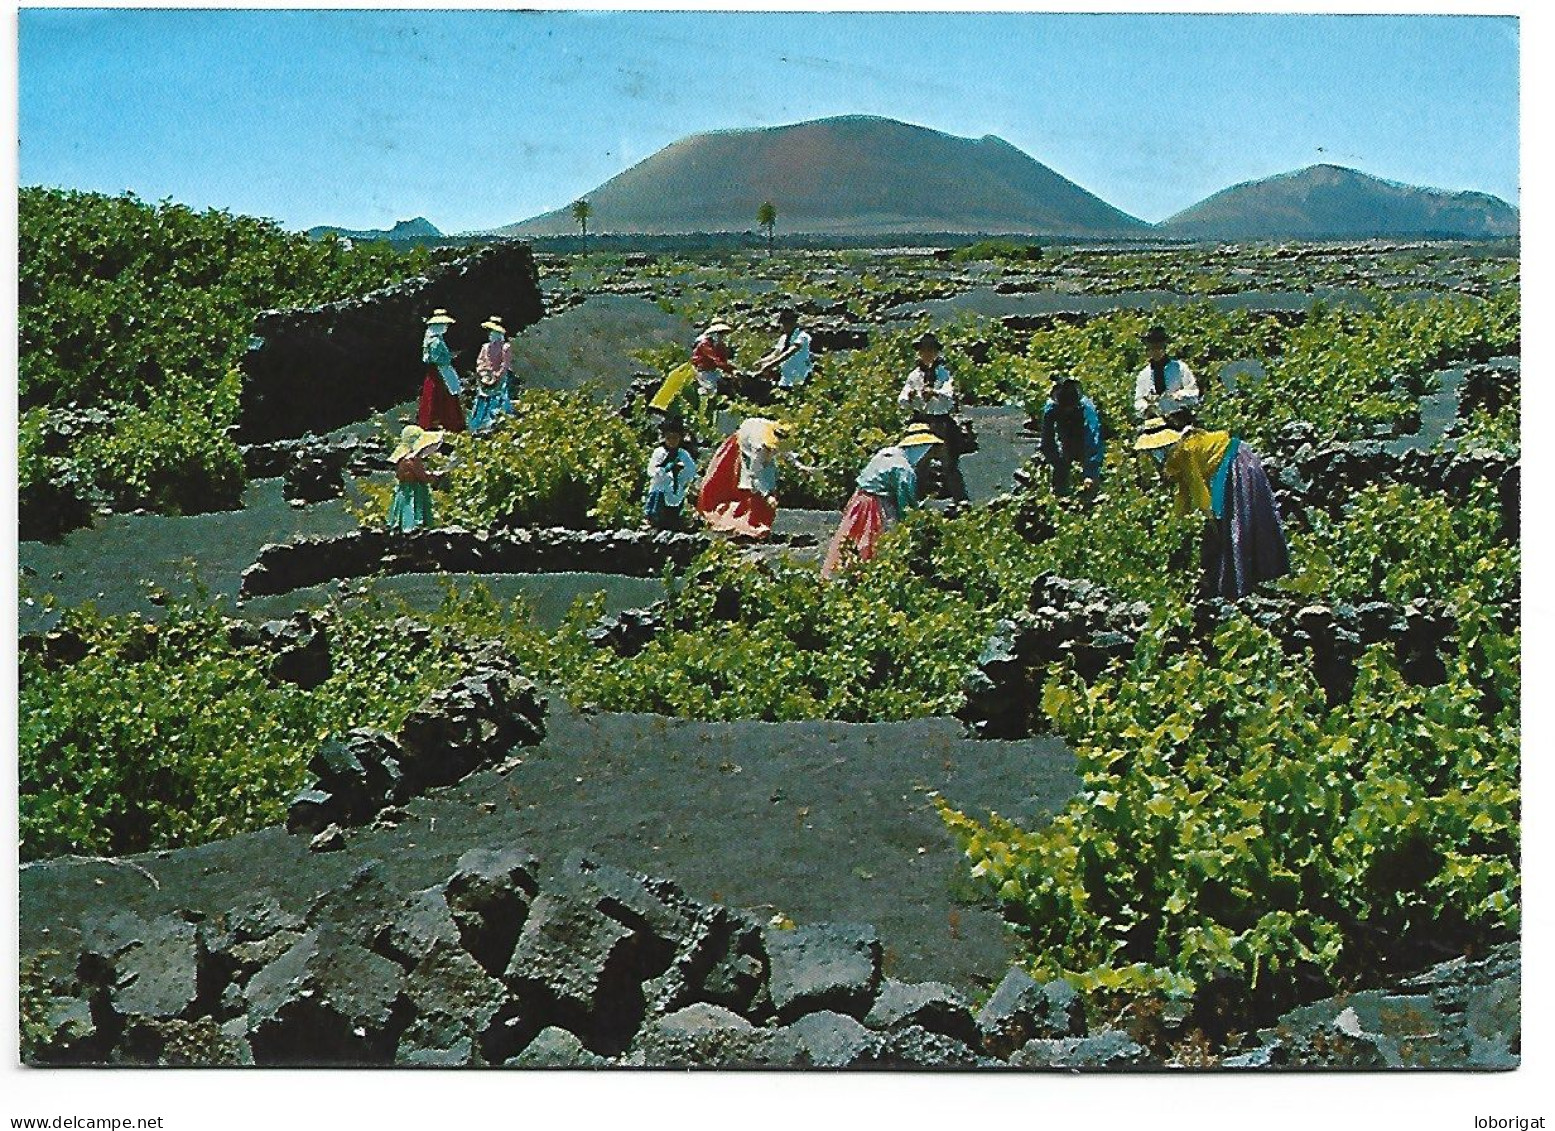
column 725, row 505
column 439, row 408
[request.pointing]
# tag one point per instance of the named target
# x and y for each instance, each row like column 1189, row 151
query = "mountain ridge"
column 417, row 228
column 1328, row 201
column 862, row 175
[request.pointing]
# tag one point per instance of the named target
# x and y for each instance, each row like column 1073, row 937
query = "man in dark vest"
column 1165, row 387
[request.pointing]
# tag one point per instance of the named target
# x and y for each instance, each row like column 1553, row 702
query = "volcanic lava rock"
column 718, row 960
column 175, row 1043
column 835, row 1040
column 913, row 1046
column 1021, row 1009
column 709, row 1036
column 144, row 968
column 470, row 724
column 313, row 479
column 1462, row 1014
column 331, row 838
column 326, row 1001
column 578, row 965
column 933, row 1006
column 312, row 810
column 488, row 898
column 628, row 632
column 456, row 1002
column 556, row 1048
column 1108, row 1050
column 823, row 966
column 830, row 336
column 70, row 1034
column 419, row 926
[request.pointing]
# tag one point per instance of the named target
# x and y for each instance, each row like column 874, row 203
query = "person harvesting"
column 411, row 506
column 1217, row 475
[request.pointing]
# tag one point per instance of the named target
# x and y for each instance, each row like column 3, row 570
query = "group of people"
column 783, row 368
column 1211, row 472
column 738, row 494
column 440, row 406
column 440, row 411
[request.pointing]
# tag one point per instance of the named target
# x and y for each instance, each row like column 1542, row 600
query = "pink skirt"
column 862, row 521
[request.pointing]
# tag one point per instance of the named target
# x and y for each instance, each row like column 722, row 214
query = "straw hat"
column 719, row 327
column 1155, row 433
column 918, row 434
column 440, row 318
column 772, row 434
column 495, row 324
column 414, row 440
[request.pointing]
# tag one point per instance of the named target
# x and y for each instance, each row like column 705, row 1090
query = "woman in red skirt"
column 739, row 491
column 887, row 489
column 440, row 390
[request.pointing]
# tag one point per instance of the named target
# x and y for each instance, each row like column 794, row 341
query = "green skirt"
column 412, row 506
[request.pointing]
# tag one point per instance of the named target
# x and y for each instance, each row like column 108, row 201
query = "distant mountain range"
column 1331, row 202
column 404, row 230
column 864, row 176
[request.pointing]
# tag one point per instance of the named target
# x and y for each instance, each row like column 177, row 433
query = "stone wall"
column 1080, row 622
column 599, row 966
column 298, row 564
column 319, row 368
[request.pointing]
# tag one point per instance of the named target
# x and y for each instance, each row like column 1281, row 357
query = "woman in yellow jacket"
column 1216, row 474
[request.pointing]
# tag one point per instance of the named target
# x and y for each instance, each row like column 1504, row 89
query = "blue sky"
column 476, row 119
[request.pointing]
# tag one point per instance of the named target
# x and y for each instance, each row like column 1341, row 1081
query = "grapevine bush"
column 558, row 461
column 166, row 733
column 141, row 312
column 1231, row 829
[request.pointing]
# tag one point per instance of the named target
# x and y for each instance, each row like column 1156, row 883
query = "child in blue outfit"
column 671, row 471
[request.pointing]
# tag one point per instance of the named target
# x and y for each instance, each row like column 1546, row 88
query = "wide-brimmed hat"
column 1156, row 334
column 719, row 328
column 772, row 433
column 1155, row 433
column 413, row 440
column 918, row 435
column 927, row 339
column 494, row 324
column 440, row 317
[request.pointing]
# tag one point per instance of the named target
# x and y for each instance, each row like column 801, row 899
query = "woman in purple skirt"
column 1218, row 475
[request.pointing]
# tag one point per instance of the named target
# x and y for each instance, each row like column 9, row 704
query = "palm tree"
column 766, row 217
column 581, row 211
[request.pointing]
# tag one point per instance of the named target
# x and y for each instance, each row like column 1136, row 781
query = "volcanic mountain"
column 1332, row 202
column 841, row 176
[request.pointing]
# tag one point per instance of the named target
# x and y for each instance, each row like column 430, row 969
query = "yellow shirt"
column 1192, row 464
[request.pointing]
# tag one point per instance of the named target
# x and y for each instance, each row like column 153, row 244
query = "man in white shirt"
column 789, row 359
column 1165, row 386
column 929, row 396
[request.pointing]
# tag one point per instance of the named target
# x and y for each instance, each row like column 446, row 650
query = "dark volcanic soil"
column 822, row 821
column 591, row 343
